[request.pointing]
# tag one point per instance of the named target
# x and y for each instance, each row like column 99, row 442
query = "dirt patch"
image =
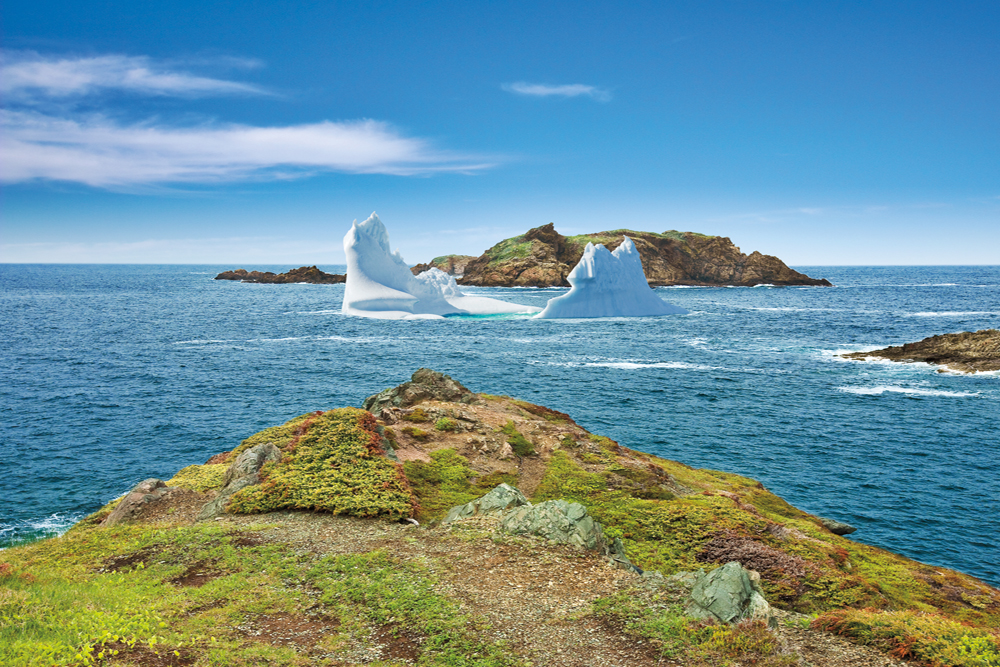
column 127, row 562
column 398, row 642
column 247, row 540
column 196, row 576
column 296, row 631
column 141, row 655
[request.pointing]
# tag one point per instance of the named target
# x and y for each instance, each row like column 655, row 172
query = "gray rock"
column 556, row 520
column 837, row 527
column 424, row 385
column 729, row 594
column 499, row 499
column 244, row 472
column 144, row 493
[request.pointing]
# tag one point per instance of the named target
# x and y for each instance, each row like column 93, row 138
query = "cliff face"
column 303, row 274
column 543, row 258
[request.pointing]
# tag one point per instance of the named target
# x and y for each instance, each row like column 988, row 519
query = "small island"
column 303, row 274
column 965, row 352
column 438, row 526
column 543, row 257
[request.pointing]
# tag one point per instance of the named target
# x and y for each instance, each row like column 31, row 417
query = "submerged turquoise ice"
column 111, row 374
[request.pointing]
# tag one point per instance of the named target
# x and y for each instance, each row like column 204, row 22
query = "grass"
column 447, row 481
column 512, row 248
column 78, row 599
column 446, row 424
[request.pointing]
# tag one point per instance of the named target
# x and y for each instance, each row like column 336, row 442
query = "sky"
column 254, row 133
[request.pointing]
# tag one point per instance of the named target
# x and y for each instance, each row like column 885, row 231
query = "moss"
column 442, row 483
column 279, row 436
column 521, row 445
column 417, row 415
column 334, row 465
column 200, row 478
column 416, row 433
column 446, row 424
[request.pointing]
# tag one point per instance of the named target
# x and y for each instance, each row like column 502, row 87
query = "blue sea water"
column 112, row 374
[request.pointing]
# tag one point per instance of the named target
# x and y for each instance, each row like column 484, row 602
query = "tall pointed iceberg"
column 609, row 284
column 380, row 283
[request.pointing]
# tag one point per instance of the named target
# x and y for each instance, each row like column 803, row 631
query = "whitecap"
column 913, row 391
column 955, row 313
column 207, row 341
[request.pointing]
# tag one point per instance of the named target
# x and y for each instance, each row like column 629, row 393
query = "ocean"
column 112, row 374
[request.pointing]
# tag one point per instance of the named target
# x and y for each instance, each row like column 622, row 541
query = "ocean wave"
column 913, row 391
column 314, row 312
column 634, row 365
column 32, row 529
column 955, row 313
column 206, row 341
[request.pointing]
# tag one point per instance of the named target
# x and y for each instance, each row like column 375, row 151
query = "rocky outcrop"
column 499, row 500
column 303, row 274
column 137, row 501
column 453, row 265
column 424, row 385
column 244, row 472
column 968, row 352
column 543, row 258
column 729, row 594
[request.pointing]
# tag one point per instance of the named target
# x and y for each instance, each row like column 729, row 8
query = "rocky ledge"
column 303, row 274
column 967, row 352
column 543, row 258
column 438, row 526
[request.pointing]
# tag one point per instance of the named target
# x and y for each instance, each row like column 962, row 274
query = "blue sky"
column 254, row 133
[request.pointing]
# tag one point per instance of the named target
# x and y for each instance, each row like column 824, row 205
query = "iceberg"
column 380, row 283
column 609, row 284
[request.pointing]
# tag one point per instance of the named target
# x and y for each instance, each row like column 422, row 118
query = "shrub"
column 446, row 424
column 416, row 415
column 521, row 445
column 913, row 635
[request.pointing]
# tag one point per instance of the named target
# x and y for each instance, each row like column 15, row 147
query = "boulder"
column 557, row 520
column 729, row 594
column 837, row 527
column 424, row 385
column 244, row 472
column 500, row 499
column 144, row 494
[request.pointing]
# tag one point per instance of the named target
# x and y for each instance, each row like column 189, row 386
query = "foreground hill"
column 543, row 258
column 313, row 559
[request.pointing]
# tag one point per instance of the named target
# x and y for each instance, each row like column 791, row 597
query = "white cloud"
column 32, row 74
column 100, row 152
column 565, row 90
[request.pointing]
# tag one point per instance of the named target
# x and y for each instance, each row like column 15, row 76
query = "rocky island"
column 437, row 526
column 543, row 258
column 966, row 352
column 303, row 274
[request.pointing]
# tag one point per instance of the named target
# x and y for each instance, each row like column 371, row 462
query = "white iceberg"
column 380, row 284
column 609, row 284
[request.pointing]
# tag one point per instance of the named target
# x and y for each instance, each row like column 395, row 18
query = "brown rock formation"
column 543, row 258
column 303, row 274
column 967, row 352
column 453, row 265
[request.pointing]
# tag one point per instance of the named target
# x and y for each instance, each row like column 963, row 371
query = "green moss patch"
column 447, row 481
column 521, row 445
column 333, row 463
column 200, row 478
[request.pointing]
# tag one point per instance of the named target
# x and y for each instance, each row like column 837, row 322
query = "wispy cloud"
column 565, row 90
column 26, row 73
column 101, row 152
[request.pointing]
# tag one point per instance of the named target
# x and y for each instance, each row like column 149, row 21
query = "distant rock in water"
column 543, row 258
column 968, row 352
column 453, row 265
column 303, row 274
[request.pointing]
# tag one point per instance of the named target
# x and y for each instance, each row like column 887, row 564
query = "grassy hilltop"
column 313, row 565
